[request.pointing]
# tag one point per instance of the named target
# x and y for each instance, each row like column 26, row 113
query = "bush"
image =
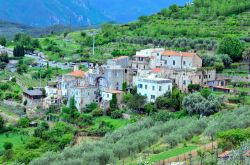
column 7, row 145
column 33, row 143
column 86, row 118
column 194, row 87
column 227, row 61
column 162, row 115
column 1, row 122
column 219, row 66
column 205, row 92
column 90, row 107
column 97, row 112
column 23, row 122
column 116, row 114
column 233, row 138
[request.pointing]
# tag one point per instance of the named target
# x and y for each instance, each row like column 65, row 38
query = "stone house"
column 34, row 98
column 82, row 96
column 180, row 60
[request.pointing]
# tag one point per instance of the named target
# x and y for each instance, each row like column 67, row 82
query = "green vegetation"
column 18, row 140
column 171, row 153
column 233, row 138
column 217, row 30
column 28, row 145
column 135, row 138
column 10, row 90
column 4, row 59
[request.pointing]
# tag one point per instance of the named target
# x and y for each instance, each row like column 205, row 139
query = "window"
column 107, row 95
column 209, row 76
column 152, row 97
column 184, row 82
column 159, row 88
column 169, row 87
column 158, row 54
column 199, row 77
column 184, row 62
column 166, row 62
column 153, row 88
column 139, row 85
column 173, row 62
column 146, row 86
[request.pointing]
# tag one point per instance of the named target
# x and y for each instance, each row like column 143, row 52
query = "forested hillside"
column 202, row 19
column 198, row 26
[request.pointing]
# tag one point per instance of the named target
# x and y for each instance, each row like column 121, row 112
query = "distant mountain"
column 9, row 29
column 124, row 11
column 42, row 13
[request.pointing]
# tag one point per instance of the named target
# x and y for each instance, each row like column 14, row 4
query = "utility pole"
column 93, row 33
column 93, row 51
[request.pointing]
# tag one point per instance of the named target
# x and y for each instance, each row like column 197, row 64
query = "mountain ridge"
column 41, row 13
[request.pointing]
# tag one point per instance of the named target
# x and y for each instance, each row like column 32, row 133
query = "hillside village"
column 97, row 99
column 153, row 71
column 169, row 88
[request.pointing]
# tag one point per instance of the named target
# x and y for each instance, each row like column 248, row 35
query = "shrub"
column 194, row 87
column 7, row 145
column 23, row 122
column 205, row 92
column 219, row 66
column 33, row 143
column 162, row 115
column 90, row 107
column 86, row 118
column 227, row 61
column 97, row 112
column 116, row 114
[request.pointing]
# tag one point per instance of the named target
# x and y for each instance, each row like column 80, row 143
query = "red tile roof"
column 156, row 70
column 174, row 53
column 77, row 73
column 114, row 91
column 121, row 57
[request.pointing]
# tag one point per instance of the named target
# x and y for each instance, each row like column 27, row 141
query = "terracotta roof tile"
column 121, row 57
column 174, row 53
column 77, row 73
column 156, row 70
column 114, row 91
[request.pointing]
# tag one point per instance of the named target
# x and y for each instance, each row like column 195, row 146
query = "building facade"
column 153, row 87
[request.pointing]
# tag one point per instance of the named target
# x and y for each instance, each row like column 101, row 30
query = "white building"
column 147, row 58
column 180, row 60
column 153, row 87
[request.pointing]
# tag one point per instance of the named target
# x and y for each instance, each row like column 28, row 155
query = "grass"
column 116, row 123
column 235, row 72
column 18, row 140
column 171, row 153
column 27, row 81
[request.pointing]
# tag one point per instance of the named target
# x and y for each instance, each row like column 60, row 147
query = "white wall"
column 180, row 62
column 152, row 90
column 106, row 96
